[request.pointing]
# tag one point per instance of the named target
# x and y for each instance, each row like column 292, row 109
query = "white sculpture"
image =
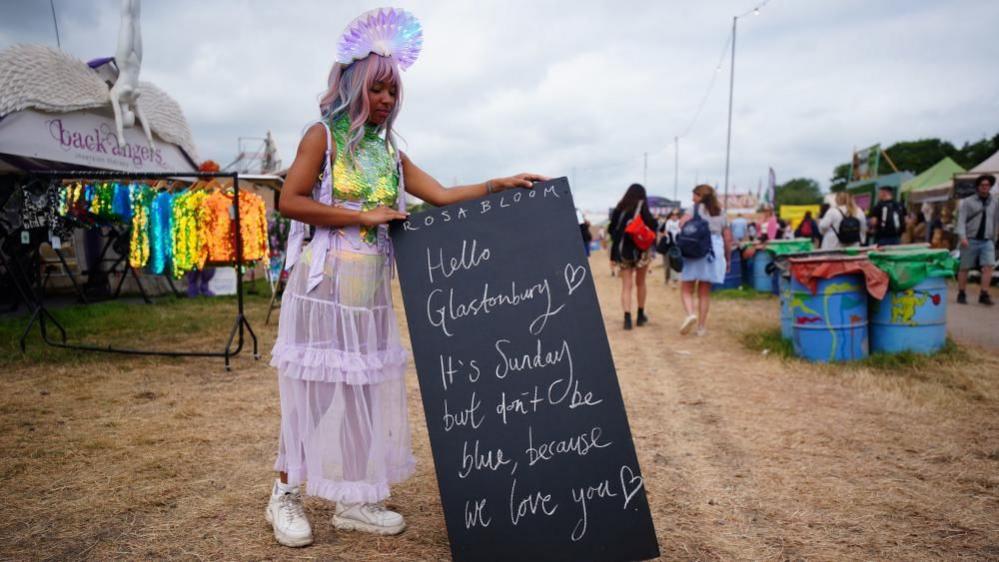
column 46, row 79
column 128, row 59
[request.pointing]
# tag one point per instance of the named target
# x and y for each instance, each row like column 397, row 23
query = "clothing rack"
column 42, row 315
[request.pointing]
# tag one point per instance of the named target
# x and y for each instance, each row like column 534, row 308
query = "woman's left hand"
column 524, row 180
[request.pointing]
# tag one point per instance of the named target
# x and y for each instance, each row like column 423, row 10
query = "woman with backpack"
column 705, row 244
column 629, row 250
column 844, row 225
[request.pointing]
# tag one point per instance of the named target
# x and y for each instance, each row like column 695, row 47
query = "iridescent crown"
column 385, row 31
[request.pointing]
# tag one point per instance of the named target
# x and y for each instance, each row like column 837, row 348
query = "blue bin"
column 830, row 325
column 762, row 281
column 911, row 320
column 747, row 272
column 733, row 278
column 786, row 319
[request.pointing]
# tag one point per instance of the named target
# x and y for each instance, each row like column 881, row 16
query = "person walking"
column 888, row 218
column 340, row 361
column 977, row 230
column 844, row 224
column 700, row 272
column 739, row 228
column 768, row 225
column 632, row 261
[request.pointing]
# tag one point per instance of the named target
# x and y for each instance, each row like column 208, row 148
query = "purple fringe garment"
column 340, row 362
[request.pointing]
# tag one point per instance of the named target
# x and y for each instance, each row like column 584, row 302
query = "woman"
column 768, row 226
column 831, row 224
column 808, row 228
column 702, row 272
column 630, row 260
column 344, row 427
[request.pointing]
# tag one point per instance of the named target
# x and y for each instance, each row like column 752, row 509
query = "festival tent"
column 964, row 184
column 934, row 184
column 990, row 165
column 959, row 185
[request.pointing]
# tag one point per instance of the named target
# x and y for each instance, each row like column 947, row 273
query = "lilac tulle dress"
column 344, row 424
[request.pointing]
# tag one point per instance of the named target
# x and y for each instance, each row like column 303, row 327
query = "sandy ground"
column 973, row 324
column 745, row 456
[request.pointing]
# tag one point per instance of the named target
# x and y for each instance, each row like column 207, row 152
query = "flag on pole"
column 771, row 187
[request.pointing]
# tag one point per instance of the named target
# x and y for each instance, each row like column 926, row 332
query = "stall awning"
column 933, row 177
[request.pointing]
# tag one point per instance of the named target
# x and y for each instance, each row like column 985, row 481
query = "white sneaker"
column 368, row 517
column 688, row 324
column 702, row 331
column 287, row 516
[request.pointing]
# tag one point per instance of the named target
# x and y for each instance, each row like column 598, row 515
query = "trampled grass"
column 768, row 341
column 950, row 376
column 126, row 325
column 741, row 294
column 952, row 354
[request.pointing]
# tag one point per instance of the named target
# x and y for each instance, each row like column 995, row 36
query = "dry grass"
column 745, row 456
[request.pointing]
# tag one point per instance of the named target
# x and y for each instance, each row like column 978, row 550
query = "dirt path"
column 749, row 458
column 973, row 323
column 745, row 456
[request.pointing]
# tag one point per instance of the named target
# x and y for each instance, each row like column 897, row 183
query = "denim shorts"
column 980, row 252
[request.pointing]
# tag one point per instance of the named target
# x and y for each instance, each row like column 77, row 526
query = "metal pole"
column 731, row 89
column 55, row 22
column 676, row 168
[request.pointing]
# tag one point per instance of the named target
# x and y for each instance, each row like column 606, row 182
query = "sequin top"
column 371, row 178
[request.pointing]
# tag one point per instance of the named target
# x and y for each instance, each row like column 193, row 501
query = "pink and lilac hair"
column 348, row 95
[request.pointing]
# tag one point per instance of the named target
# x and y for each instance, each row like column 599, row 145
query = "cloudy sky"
column 581, row 88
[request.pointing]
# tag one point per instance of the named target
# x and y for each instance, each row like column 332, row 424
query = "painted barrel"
column 733, row 277
column 786, row 319
column 762, row 281
column 830, row 325
column 911, row 320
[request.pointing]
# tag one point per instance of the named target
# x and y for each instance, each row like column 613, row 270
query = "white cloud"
column 590, row 86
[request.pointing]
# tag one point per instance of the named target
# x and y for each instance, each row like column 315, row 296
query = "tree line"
column 914, row 156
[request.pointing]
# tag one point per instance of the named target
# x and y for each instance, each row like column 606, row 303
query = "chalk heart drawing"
column 629, row 479
column 574, row 276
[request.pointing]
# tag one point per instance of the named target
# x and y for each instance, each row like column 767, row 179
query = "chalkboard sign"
column 531, row 443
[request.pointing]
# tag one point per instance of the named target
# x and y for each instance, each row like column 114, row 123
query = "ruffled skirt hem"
column 334, row 365
column 348, row 492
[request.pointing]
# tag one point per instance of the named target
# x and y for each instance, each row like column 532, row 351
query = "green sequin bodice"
column 370, row 178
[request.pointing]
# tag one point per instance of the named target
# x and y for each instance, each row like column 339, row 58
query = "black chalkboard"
column 531, row 443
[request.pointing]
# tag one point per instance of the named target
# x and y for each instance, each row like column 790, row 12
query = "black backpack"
column 894, row 223
column 849, row 230
column 694, row 239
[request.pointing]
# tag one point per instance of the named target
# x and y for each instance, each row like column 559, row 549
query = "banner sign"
column 87, row 139
column 864, row 164
column 531, row 443
column 794, row 214
column 739, row 202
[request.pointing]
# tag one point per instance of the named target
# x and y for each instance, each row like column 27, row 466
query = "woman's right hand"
column 381, row 215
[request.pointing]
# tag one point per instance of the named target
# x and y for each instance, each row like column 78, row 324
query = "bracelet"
column 489, row 187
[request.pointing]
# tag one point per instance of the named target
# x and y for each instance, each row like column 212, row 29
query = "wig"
column 348, row 95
